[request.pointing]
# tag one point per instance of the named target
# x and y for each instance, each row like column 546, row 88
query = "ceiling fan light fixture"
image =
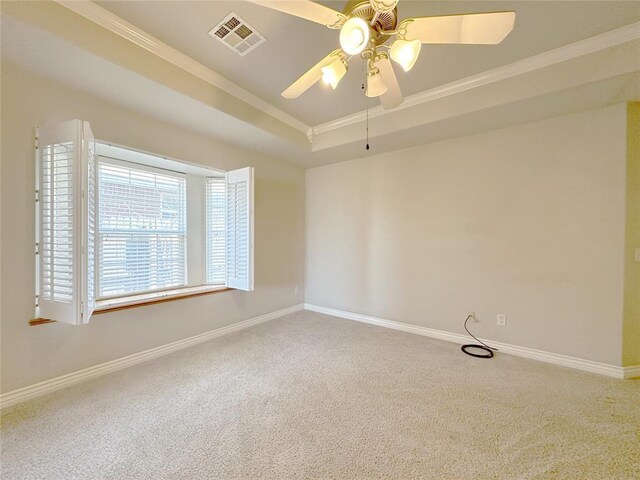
column 333, row 73
column 405, row 53
column 375, row 85
column 354, row 36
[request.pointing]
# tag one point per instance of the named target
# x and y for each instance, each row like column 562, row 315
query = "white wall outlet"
column 472, row 316
column 502, row 320
column 296, row 290
column 637, row 254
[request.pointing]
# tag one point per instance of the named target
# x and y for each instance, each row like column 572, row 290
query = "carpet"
column 313, row 396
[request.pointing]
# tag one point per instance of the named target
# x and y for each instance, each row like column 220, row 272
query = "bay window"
column 117, row 226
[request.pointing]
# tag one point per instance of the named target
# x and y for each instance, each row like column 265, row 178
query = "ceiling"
column 39, row 51
column 156, row 58
column 294, row 45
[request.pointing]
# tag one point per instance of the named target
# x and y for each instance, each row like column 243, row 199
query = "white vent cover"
column 237, row 34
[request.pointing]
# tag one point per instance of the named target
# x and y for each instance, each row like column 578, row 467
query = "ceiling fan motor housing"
column 385, row 21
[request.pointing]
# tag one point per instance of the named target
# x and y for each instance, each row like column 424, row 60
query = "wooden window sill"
column 113, row 305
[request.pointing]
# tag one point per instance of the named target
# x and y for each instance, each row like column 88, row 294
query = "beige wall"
column 631, row 340
column 527, row 221
column 33, row 354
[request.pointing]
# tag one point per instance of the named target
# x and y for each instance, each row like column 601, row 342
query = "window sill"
column 134, row 301
column 120, row 303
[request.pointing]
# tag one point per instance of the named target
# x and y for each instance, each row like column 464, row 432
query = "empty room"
column 295, row 239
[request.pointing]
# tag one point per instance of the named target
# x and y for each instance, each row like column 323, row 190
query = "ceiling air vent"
column 237, row 34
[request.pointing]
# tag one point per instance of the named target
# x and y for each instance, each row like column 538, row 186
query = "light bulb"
column 354, row 36
column 375, row 85
column 405, row 53
column 333, row 73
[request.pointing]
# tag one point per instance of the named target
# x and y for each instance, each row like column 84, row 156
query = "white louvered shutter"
column 89, row 174
column 239, row 229
column 64, row 239
column 215, row 205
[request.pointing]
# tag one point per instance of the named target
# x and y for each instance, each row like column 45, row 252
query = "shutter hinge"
column 37, row 248
column 81, row 309
column 37, row 300
column 37, row 196
column 35, row 142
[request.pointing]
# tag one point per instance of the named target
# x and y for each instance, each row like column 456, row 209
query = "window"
column 142, row 229
column 116, row 226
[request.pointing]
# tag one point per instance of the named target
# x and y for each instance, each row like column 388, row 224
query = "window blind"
column 215, row 206
column 141, row 229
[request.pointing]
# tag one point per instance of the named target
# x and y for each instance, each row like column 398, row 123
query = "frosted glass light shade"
column 354, row 36
column 375, row 85
column 333, row 73
column 405, row 53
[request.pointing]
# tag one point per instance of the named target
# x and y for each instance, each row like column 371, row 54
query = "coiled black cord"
column 483, row 346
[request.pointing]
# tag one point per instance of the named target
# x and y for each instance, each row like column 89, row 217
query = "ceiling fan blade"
column 306, row 9
column 314, row 74
column 474, row 28
column 393, row 96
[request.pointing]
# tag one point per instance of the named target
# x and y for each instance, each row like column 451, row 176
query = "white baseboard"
column 632, row 372
column 548, row 357
column 16, row 396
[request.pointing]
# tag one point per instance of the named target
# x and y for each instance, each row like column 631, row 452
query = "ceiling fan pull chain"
column 366, row 99
column 367, row 124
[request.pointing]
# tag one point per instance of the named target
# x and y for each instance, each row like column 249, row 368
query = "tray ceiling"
column 293, row 45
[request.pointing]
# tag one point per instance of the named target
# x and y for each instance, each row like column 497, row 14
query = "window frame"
column 113, row 154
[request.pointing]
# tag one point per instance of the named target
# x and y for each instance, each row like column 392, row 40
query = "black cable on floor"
column 483, row 346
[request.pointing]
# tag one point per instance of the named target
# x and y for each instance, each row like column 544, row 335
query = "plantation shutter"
column 239, row 229
column 216, row 248
column 66, row 211
column 89, row 225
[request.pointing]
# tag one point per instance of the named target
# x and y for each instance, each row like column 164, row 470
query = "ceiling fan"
column 366, row 26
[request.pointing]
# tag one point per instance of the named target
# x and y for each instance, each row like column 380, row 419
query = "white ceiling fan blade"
column 393, row 96
column 314, row 74
column 306, row 9
column 475, row 28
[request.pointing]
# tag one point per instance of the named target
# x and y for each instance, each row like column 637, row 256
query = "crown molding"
column 121, row 27
column 593, row 44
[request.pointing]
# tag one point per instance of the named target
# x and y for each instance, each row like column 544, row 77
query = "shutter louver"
column 239, row 229
column 89, row 228
column 215, row 261
column 62, row 175
column 142, row 228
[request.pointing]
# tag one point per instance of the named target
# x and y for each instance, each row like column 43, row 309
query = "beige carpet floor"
column 312, row 396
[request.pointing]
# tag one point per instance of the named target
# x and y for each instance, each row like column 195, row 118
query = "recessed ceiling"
column 540, row 71
column 293, row 45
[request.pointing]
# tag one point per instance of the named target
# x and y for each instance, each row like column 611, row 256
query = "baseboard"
column 16, row 396
column 548, row 357
column 632, row 372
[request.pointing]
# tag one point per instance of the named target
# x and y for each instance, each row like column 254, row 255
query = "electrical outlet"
column 502, row 320
column 637, row 255
column 472, row 316
column 295, row 291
